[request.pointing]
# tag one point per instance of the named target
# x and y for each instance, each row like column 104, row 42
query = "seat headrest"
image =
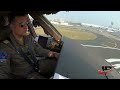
column 4, row 33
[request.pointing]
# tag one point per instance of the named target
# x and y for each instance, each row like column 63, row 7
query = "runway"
column 79, row 61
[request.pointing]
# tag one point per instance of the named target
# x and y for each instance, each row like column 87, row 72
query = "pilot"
column 22, row 57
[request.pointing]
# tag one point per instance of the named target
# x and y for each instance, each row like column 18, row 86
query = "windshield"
column 92, row 29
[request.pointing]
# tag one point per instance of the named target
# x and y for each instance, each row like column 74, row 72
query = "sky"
column 103, row 18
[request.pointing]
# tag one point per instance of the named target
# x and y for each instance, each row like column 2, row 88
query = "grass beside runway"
column 72, row 33
column 88, row 36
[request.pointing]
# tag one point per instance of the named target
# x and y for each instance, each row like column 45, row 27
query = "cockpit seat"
column 4, row 33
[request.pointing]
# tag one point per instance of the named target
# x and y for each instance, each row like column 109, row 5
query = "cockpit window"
column 93, row 29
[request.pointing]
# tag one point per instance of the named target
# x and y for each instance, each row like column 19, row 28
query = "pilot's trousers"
column 47, row 67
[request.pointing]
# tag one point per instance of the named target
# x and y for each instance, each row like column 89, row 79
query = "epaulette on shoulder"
column 6, row 41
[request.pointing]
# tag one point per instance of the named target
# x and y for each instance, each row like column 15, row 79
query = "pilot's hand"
column 53, row 54
column 53, row 45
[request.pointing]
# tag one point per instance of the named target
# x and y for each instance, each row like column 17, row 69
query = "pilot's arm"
column 4, row 65
column 44, row 52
